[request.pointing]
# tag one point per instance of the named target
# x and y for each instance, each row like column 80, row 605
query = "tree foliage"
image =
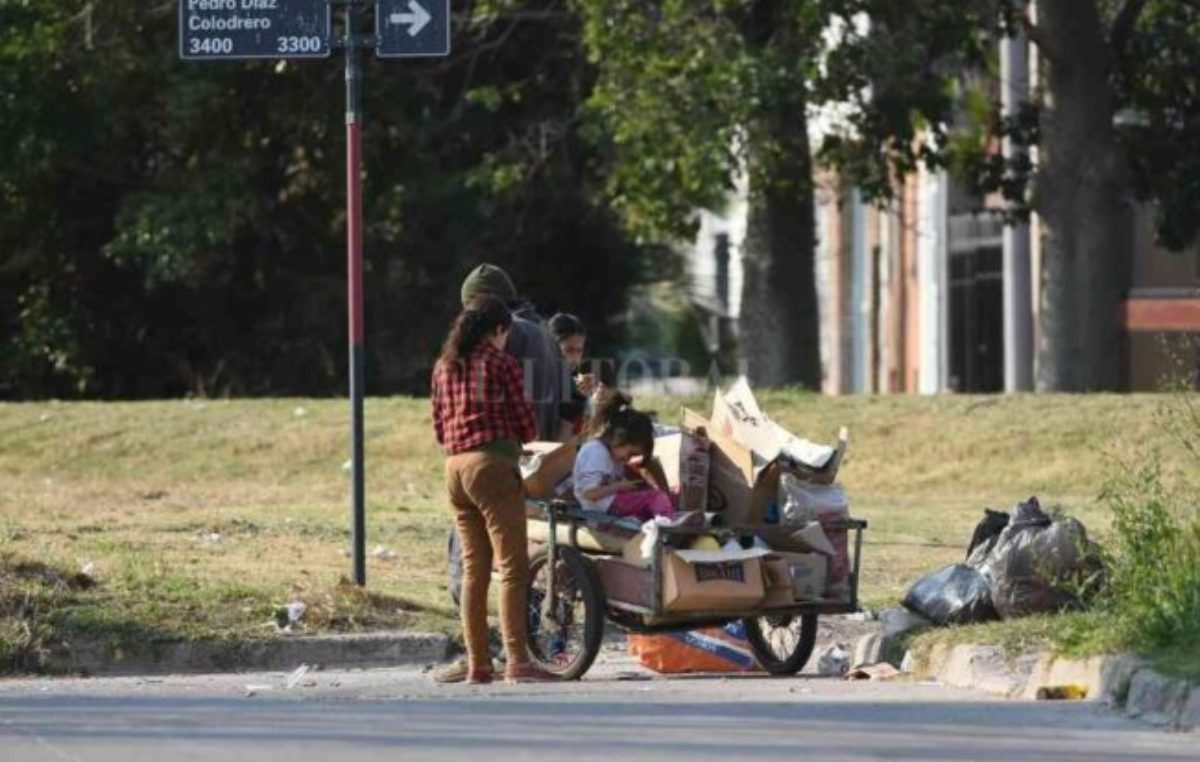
column 171, row 227
column 681, row 83
column 690, row 97
column 1115, row 119
column 680, row 87
column 929, row 79
column 1158, row 93
column 695, row 93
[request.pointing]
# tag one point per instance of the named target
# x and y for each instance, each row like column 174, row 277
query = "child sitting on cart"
column 600, row 477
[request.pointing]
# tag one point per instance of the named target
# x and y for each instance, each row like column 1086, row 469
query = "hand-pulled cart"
column 570, row 600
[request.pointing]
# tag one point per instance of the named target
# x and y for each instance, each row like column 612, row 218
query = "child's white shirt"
column 595, row 467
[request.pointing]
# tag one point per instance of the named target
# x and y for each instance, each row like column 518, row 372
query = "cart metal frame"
column 654, row 618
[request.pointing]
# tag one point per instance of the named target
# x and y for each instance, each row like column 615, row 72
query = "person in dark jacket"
column 529, row 341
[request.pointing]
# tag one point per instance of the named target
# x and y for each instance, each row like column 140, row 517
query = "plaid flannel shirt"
column 483, row 403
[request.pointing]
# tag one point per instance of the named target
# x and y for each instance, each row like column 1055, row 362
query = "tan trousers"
column 488, row 500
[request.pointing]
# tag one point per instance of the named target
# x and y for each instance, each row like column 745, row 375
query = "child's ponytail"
column 617, row 423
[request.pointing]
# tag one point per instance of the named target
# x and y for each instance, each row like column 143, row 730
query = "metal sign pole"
column 304, row 29
column 354, row 287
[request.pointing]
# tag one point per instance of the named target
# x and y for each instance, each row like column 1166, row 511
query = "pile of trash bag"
column 954, row 594
column 1017, row 564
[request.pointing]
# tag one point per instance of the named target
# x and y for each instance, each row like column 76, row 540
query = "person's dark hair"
column 471, row 328
column 619, row 424
column 564, row 325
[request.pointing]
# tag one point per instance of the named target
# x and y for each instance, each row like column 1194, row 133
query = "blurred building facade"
column 911, row 296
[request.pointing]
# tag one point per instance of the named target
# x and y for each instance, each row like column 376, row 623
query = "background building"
column 912, row 295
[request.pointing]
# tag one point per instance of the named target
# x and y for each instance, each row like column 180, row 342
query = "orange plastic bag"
column 715, row 649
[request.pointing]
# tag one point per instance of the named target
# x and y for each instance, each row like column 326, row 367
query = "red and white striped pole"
column 354, row 289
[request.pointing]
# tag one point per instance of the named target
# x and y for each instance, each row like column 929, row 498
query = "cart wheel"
column 565, row 638
column 782, row 644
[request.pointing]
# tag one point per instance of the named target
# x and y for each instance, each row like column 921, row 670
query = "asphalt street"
column 618, row 713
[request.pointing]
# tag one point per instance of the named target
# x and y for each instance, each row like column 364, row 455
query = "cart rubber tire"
column 594, row 603
column 766, row 655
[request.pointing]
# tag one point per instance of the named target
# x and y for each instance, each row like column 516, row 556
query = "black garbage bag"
column 1039, row 564
column 1030, row 514
column 987, row 532
column 956, row 594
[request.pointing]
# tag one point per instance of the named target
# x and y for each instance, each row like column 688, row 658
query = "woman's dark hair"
column 563, row 326
column 472, row 327
column 619, row 424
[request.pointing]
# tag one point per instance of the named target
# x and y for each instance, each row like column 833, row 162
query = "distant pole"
column 354, row 270
column 1018, row 283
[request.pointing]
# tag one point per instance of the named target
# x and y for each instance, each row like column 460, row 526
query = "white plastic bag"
column 804, row 501
column 834, row 661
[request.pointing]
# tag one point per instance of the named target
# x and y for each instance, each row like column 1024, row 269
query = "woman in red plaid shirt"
column 481, row 418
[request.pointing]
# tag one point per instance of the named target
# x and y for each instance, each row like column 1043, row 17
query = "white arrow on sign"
column 416, row 18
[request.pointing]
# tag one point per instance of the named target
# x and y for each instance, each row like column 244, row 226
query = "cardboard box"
column 838, row 581
column 737, row 416
column 546, row 466
column 830, row 542
column 741, row 486
column 777, row 578
column 685, row 461
column 808, row 574
column 701, row 581
column 712, row 580
column 791, row 539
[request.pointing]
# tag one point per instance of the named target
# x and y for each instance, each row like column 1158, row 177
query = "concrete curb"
column 1159, row 700
column 985, row 668
column 283, row 653
column 1121, row 681
column 1106, row 678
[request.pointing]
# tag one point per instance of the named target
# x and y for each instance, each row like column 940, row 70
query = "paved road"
column 616, row 714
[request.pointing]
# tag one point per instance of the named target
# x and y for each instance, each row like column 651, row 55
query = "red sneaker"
column 528, row 673
column 479, row 676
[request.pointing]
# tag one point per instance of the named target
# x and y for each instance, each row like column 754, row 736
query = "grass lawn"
column 201, row 518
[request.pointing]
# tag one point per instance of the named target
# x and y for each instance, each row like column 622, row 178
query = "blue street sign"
column 412, row 28
column 231, row 29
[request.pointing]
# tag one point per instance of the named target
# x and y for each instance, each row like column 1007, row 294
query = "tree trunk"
column 779, row 332
column 1081, row 198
